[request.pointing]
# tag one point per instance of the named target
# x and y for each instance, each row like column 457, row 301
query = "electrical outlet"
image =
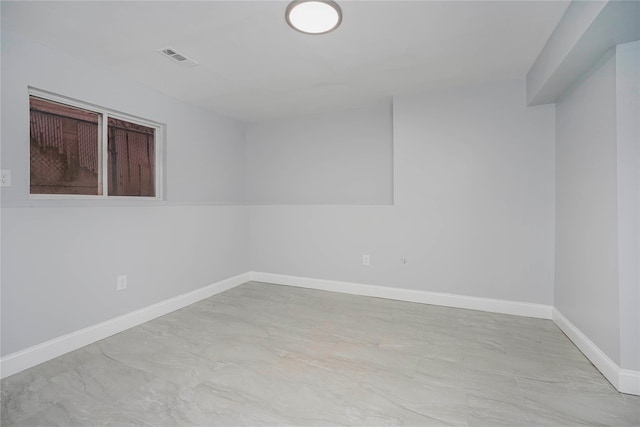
column 5, row 178
column 366, row 260
column 121, row 283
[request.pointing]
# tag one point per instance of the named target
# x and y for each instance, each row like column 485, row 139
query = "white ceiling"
column 254, row 67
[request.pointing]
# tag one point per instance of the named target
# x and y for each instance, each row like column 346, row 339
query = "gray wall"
column 598, row 205
column 628, row 156
column 60, row 259
column 205, row 152
column 473, row 211
column 59, row 265
column 586, row 276
column 342, row 157
column 461, row 183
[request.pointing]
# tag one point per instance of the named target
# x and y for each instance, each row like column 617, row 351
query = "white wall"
column 59, row 263
column 587, row 30
column 340, row 157
column 586, row 276
column 628, row 157
column 544, row 78
column 205, row 153
column 473, row 210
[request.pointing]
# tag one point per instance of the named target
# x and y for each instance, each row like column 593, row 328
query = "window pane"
column 64, row 149
column 131, row 159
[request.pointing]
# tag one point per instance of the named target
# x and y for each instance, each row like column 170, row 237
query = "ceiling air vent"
column 171, row 53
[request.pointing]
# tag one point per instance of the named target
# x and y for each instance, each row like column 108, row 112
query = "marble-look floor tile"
column 493, row 411
column 19, row 405
column 563, row 402
column 434, row 370
column 373, row 358
column 163, row 403
column 267, row 355
column 108, row 386
column 61, row 415
column 25, row 394
column 418, row 397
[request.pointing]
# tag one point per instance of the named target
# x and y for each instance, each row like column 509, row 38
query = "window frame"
column 103, row 119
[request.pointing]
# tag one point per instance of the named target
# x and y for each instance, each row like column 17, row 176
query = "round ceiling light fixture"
column 313, row 16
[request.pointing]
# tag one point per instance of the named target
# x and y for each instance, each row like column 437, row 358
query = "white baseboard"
column 624, row 380
column 629, row 382
column 32, row 356
column 449, row 300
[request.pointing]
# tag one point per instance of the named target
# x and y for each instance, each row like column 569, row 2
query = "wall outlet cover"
column 121, row 283
column 5, row 178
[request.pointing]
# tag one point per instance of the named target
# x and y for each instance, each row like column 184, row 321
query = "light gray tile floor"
column 267, row 355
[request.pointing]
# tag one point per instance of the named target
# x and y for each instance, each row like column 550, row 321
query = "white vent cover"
column 174, row 55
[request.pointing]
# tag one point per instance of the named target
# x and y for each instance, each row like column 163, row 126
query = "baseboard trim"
column 629, row 382
column 435, row 298
column 624, row 380
column 32, row 356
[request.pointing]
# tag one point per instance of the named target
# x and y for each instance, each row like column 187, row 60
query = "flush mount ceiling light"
column 313, row 16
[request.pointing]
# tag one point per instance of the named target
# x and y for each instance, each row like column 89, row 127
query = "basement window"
column 81, row 151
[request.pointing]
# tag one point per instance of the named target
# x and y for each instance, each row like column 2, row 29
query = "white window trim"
column 104, row 114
